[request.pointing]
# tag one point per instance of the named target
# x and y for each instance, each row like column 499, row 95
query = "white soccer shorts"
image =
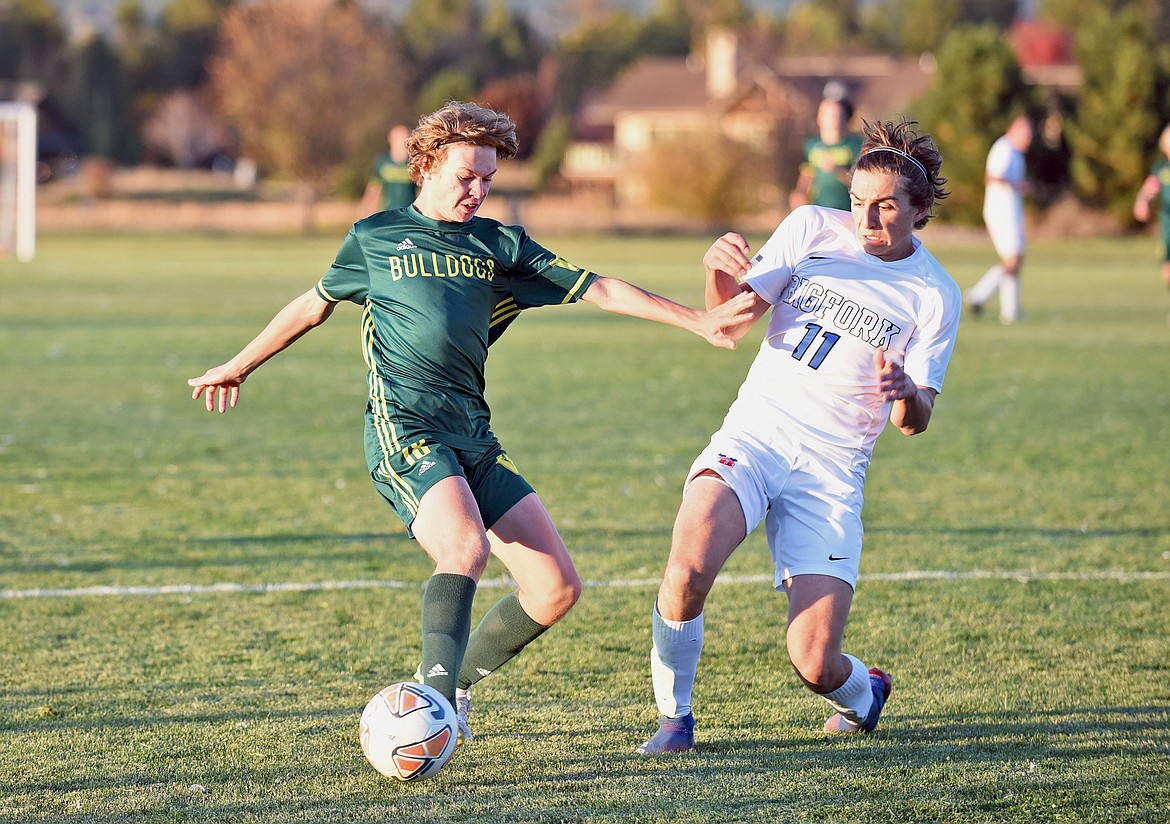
column 812, row 504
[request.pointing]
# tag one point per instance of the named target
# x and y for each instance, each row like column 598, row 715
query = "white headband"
column 901, row 153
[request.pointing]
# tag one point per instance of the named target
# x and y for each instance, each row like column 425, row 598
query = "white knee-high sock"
column 982, row 291
column 674, row 660
column 1009, row 299
column 854, row 698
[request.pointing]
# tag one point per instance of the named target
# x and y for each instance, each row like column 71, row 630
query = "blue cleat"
column 674, row 735
column 882, row 685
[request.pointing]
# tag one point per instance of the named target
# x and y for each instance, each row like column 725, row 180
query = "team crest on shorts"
column 727, row 460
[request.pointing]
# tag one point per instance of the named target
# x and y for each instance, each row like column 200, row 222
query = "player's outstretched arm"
column 1145, row 197
column 912, row 404
column 724, row 263
column 222, row 383
column 720, row 326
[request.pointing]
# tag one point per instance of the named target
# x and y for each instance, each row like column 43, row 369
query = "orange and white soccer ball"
column 409, row 731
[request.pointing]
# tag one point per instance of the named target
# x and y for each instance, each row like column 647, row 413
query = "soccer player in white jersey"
column 862, row 326
column 1003, row 213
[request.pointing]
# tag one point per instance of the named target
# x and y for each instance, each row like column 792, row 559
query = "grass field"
column 195, row 608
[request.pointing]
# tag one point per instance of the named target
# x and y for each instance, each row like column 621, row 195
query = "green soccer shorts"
column 404, row 476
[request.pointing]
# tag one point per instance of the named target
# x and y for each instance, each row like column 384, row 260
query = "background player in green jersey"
column 1157, row 187
column 437, row 285
column 390, row 185
column 829, row 156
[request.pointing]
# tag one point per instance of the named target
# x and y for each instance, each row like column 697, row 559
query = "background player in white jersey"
column 862, row 327
column 1003, row 213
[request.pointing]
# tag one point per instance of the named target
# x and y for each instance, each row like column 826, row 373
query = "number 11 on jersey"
column 828, row 341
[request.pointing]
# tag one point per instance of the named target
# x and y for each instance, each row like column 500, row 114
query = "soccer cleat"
column 674, row 735
column 881, row 684
column 462, row 713
column 462, row 708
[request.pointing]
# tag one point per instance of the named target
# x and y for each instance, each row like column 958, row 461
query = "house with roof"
column 767, row 103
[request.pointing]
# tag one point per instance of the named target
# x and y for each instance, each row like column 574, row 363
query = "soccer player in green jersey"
column 1156, row 187
column 390, row 185
column 437, row 286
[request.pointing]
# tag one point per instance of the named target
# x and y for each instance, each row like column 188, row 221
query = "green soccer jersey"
column 827, row 189
column 397, row 189
column 436, row 295
column 1161, row 171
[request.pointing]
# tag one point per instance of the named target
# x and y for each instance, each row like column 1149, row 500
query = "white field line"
column 321, row 586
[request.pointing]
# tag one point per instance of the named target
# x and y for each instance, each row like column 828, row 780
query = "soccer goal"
column 18, row 179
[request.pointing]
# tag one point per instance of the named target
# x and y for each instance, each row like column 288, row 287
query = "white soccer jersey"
column 833, row 306
column 1003, row 203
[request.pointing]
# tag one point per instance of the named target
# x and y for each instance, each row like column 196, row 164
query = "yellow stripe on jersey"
column 384, row 428
column 576, row 286
column 323, row 292
column 506, row 309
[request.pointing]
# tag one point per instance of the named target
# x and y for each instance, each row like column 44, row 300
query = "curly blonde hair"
column 894, row 147
column 458, row 123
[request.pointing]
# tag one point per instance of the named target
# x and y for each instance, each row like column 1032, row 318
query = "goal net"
column 18, row 179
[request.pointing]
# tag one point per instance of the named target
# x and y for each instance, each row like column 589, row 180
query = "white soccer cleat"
column 462, row 707
column 462, row 713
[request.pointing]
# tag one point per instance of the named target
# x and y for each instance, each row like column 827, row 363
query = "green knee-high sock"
column 504, row 631
column 446, row 622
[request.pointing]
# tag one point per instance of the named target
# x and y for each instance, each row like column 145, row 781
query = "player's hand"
column 222, row 389
column 729, row 254
column 893, row 383
column 1141, row 210
column 728, row 321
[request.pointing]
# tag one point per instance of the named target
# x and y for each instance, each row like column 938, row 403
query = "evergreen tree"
column 1122, row 106
column 909, row 26
column 977, row 90
column 32, row 41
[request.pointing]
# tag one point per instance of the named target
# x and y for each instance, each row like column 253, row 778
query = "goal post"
column 18, row 179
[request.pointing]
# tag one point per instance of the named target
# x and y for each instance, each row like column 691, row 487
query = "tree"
column 92, row 92
column 510, row 46
column 1072, row 14
column 188, row 33
column 307, row 85
column 814, row 28
column 998, row 13
column 441, row 34
column 32, row 41
column 978, row 88
column 713, row 187
column 592, row 56
column 1121, row 108
column 909, row 26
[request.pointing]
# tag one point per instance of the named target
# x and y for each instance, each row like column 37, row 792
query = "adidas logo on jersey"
column 436, row 671
column 406, row 244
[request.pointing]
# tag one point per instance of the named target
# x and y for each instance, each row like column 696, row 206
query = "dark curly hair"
column 894, row 147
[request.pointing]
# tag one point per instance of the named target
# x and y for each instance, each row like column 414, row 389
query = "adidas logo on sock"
column 436, row 671
column 406, row 244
